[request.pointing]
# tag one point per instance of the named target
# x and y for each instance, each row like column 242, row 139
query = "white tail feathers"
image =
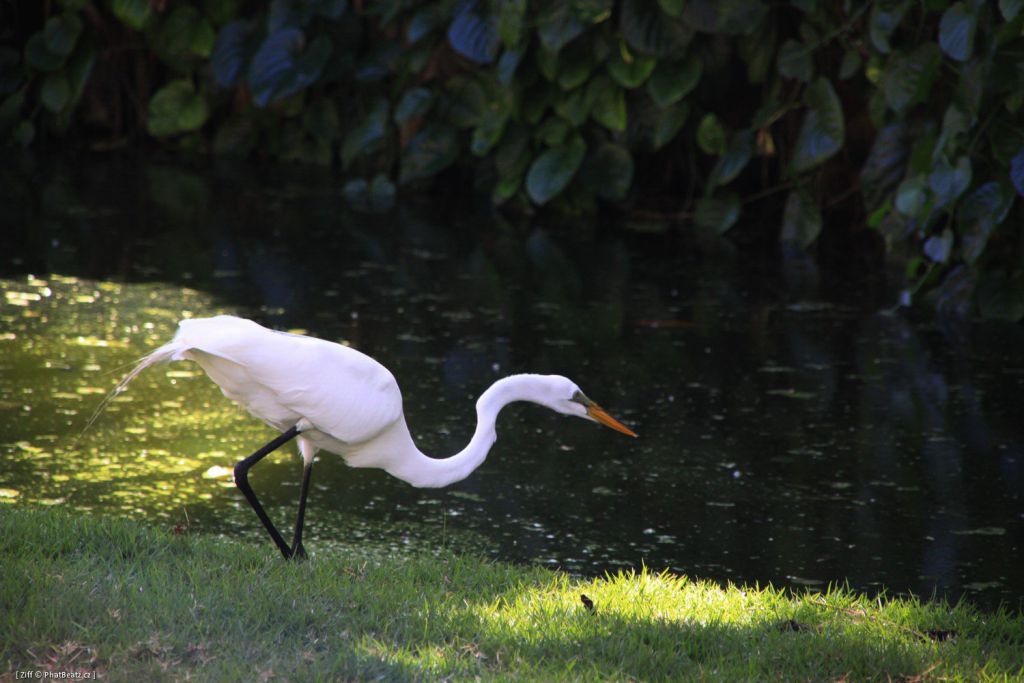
column 172, row 350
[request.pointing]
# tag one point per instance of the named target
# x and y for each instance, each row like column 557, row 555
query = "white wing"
column 282, row 377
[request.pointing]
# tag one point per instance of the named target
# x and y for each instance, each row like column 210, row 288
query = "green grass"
column 132, row 603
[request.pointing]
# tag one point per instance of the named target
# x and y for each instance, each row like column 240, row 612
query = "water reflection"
column 784, row 437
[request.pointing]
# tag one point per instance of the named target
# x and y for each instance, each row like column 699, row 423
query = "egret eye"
column 581, row 398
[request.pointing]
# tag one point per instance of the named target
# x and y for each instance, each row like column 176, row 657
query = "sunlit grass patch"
column 78, row 593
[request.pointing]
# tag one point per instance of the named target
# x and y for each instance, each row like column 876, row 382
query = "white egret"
column 332, row 397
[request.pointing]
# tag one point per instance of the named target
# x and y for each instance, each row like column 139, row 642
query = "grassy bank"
column 131, row 603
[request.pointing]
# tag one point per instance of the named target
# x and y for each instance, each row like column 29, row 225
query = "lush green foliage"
column 130, row 603
column 900, row 116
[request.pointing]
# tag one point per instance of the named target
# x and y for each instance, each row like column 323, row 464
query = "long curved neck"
column 421, row 470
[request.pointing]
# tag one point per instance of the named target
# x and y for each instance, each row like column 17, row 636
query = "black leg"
column 297, row 549
column 242, row 481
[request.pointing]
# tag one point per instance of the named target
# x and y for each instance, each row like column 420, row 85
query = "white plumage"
column 281, row 378
column 335, row 398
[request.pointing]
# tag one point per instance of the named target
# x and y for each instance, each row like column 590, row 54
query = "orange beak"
column 598, row 413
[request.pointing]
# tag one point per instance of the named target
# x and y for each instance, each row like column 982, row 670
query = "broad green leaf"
column 878, row 109
column 1017, row 172
column 38, row 56
column 718, row 213
column 414, row 103
column 176, row 108
column 912, row 195
column 284, row 65
column 203, row 39
column 364, row 138
column 556, row 25
column 884, row 19
column 794, row 61
column 734, row 160
column 574, row 65
column 55, row 92
column 473, row 32
column 907, row 79
column 758, row 51
column 953, row 298
column 922, row 153
column 508, row 63
column 547, row 63
column 939, row 247
column 331, row 9
column 801, row 220
column 181, row 34
column 505, row 189
column 673, row 8
column 575, row 106
column 878, row 215
column 511, row 22
column 672, row 81
column 949, row 182
column 357, row 193
column 284, row 14
column 417, row 60
column 954, row 123
column 609, row 108
column 299, row 13
column 551, row 172
column 668, row 124
column 430, row 151
column 649, row 30
column 552, row 132
column 970, row 87
column 632, row 73
column 725, row 17
column 885, row 164
column 381, row 193
column 592, row 11
column 220, row 12
column 424, row 22
column 380, row 62
column 488, row 132
column 956, row 31
column 851, row 64
column 513, row 154
column 711, row 135
column 1010, row 8
column 464, row 101
column 979, row 213
column 823, row 131
column 61, row 33
column 133, row 13
column 230, row 52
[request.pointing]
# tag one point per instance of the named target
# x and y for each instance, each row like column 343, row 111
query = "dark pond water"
column 793, row 430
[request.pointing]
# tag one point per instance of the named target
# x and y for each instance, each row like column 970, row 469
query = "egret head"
column 564, row 396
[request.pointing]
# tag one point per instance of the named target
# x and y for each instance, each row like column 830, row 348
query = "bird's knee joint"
column 303, row 425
